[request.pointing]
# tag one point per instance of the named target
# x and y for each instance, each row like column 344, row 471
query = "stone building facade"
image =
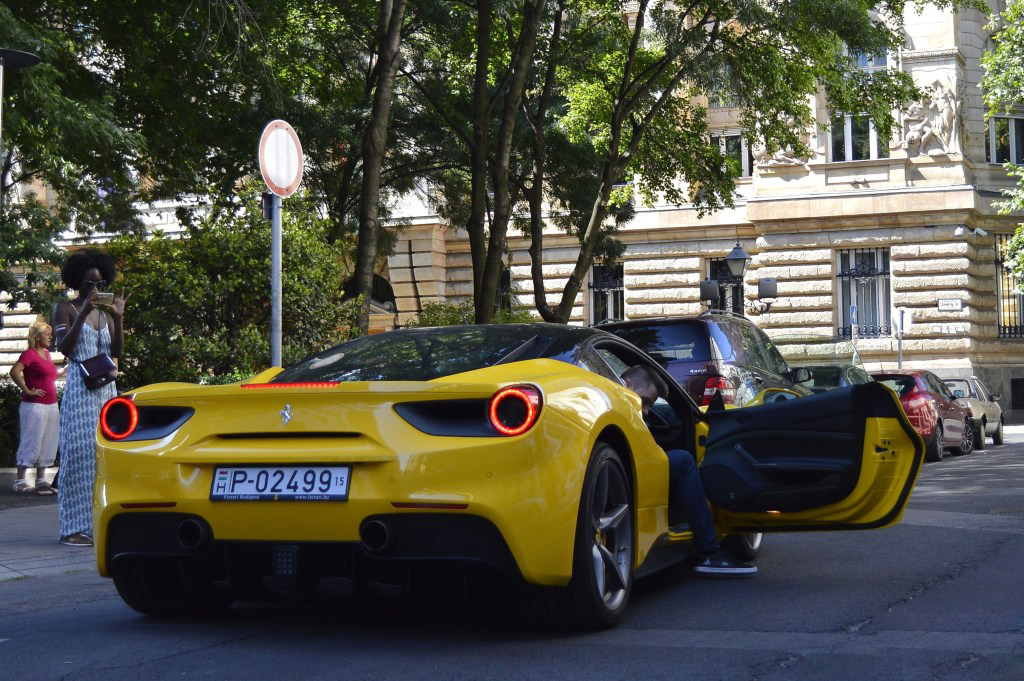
column 863, row 223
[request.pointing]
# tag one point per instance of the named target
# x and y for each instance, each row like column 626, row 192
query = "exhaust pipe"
column 375, row 536
column 193, row 535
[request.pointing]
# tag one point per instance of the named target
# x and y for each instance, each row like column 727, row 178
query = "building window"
column 722, row 93
column 730, row 288
column 871, row 63
column 607, row 295
column 1009, row 299
column 1017, row 393
column 854, row 138
column 864, row 293
column 1004, row 139
column 737, row 152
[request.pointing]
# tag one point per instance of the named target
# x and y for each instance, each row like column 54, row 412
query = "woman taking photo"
column 90, row 334
column 36, row 375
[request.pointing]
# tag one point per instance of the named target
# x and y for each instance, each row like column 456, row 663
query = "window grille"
column 864, row 294
column 730, row 288
column 607, row 294
column 1009, row 299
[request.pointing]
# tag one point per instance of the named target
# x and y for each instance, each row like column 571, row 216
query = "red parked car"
column 932, row 410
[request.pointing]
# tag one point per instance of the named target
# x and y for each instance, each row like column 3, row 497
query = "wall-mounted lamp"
column 737, row 260
column 767, row 294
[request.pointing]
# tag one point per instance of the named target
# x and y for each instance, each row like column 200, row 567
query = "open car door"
column 845, row 459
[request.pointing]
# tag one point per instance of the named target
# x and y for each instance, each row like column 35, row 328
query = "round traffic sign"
column 280, row 158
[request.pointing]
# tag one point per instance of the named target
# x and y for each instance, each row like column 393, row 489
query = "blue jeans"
column 686, row 497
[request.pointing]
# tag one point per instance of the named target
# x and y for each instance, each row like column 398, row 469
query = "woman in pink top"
column 36, row 375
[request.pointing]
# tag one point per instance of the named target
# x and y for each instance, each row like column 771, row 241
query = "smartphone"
column 105, row 298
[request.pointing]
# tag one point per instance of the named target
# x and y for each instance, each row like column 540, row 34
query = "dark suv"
column 714, row 352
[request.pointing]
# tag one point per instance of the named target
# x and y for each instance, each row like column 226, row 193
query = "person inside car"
column 686, row 491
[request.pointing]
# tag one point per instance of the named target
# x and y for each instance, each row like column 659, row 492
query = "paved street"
column 941, row 596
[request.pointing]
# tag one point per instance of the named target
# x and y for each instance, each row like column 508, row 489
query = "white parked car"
column 986, row 415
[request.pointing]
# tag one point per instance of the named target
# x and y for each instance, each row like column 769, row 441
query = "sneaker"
column 43, row 488
column 723, row 565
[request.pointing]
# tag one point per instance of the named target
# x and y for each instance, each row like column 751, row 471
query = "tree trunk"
column 486, row 293
column 389, row 34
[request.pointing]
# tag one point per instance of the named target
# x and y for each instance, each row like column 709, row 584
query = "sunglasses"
column 99, row 285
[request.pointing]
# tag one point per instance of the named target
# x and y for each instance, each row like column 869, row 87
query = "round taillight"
column 515, row 409
column 118, row 418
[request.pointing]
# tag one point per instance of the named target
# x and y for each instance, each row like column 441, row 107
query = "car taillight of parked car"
column 717, row 384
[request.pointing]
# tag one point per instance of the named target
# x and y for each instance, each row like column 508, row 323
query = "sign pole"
column 280, row 155
column 275, row 284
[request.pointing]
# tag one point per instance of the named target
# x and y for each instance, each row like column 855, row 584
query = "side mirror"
column 959, row 393
column 996, row 397
column 800, row 374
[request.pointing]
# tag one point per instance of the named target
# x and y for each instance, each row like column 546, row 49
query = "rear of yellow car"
column 286, row 480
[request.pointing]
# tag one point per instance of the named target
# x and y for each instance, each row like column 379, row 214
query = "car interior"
column 783, row 456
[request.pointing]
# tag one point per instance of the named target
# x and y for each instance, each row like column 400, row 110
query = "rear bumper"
column 455, row 541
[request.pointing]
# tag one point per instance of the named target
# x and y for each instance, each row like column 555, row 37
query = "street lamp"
column 737, row 261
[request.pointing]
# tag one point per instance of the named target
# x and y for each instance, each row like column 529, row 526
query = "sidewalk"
column 28, row 536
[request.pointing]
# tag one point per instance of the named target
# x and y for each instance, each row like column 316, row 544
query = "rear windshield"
column 426, row 354
column 903, row 385
column 959, row 384
column 682, row 342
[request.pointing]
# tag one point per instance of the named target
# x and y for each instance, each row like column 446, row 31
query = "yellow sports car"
column 513, row 450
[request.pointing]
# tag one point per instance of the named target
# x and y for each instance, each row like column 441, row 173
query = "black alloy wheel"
column 744, row 546
column 603, row 553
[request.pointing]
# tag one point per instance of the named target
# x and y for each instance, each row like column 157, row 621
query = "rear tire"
column 603, row 551
column 979, row 436
column 167, row 590
column 997, row 437
column 966, row 445
column 933, row 450
column 744, row 546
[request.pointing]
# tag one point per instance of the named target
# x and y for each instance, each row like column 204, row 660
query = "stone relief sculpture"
column 933, row 125
column 782, row 157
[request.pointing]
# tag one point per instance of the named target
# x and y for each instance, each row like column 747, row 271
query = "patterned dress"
column 79, row 417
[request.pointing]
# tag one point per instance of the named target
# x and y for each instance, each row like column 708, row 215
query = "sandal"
column 22, row 487
column 77, row 539
column 43, row 488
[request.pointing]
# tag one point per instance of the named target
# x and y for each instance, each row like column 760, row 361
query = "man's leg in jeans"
column 686, row 493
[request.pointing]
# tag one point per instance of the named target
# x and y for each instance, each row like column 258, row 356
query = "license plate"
column 280, row 483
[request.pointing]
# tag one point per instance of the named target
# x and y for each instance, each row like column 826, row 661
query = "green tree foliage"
column 62, row 131
column 1003, row 85
column 199, row 307
column 631, row 91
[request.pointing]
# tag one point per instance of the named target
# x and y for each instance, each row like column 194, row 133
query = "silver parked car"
column 986, row 414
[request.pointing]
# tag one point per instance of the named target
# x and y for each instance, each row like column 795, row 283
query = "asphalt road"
column 940, row 596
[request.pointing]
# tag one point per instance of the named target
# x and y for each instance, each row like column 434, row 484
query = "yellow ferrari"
column 512, row 450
